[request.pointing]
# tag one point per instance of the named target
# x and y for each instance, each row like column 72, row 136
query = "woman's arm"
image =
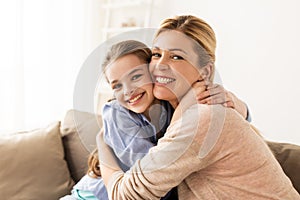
column 154, row 175
column 107, row 158
column 176, row 156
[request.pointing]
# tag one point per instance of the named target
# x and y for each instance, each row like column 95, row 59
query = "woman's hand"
column 216, row 94
column 107, row 159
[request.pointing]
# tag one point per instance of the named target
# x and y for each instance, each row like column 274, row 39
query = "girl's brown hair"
column 125, row 48
column 94, row 165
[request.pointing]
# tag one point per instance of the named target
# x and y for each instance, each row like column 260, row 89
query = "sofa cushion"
column 79, row 130
column 33, row 166
column 288, row 155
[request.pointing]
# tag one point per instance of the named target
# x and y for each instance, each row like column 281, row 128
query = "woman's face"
column 131, row 82
column 173, row 66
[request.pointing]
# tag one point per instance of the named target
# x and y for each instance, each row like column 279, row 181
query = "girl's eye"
column 116, row 86
column 135, row 77
column 176, row 57
column 156, row 55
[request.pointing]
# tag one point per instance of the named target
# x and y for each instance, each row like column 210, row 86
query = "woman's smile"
column 163, row 80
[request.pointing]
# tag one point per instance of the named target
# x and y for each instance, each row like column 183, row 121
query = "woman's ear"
column 206, row 71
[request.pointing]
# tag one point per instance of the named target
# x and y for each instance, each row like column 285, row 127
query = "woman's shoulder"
column 208, row 111
column 207, row 116
column 219, row 119
column 204, row 111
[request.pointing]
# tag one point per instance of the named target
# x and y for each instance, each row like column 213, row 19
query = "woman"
column 209, row 151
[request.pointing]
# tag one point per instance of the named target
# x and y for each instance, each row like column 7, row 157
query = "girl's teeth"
column 135, row 98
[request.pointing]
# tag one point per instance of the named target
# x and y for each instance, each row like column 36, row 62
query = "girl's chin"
column 138, row 110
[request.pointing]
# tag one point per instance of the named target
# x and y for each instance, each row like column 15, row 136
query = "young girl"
column 126, row 120
column 133, row 122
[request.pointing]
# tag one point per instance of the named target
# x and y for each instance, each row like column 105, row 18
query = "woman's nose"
column 161, row 66
column 162, row 63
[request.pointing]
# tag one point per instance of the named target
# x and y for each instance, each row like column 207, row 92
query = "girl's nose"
column 128, row 91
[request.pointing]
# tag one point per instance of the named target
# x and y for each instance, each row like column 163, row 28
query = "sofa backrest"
column 79, row 130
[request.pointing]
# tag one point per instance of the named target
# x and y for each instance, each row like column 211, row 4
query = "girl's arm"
column 216, row 94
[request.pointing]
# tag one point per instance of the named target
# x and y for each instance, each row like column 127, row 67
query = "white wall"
column 258, row 44
column 43, row 46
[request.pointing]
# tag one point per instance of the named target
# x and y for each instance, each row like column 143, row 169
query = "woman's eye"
column 116, row 86
column 156, row 55
column 176, row 57
column 135, row 77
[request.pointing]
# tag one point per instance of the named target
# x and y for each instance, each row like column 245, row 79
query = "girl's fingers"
column 216, row 90
column 212, row 100
column 228, row 104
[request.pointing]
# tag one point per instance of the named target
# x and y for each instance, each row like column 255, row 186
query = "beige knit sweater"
column 209, row 152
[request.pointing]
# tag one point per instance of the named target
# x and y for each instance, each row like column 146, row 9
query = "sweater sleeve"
column 177, row 155
column 129, row 138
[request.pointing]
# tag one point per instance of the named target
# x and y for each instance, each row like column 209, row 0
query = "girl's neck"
column 153, row 115
column 153, row 111
column 174, row 103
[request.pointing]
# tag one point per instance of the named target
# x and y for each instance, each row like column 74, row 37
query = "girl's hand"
column 216, row 94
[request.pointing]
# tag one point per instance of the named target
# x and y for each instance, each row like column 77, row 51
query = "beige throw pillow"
column 33, row 166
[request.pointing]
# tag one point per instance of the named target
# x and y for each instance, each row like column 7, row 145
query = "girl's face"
column 173, row 66
column 131, row 82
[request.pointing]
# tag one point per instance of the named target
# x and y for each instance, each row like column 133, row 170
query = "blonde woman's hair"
column 125, row 48
column 198, row 30
column 94, row 165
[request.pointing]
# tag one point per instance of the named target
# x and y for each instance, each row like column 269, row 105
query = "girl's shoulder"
column 114, row 108
column 90, row 188
column 87, row 182
column 113, row 111
column 114, row 105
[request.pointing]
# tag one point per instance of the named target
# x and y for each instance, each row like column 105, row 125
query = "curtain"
column 43, row 44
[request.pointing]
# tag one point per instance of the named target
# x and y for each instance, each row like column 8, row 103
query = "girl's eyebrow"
column 114, row 81
column 130, row 73
column 173, row 49
column 133, row 71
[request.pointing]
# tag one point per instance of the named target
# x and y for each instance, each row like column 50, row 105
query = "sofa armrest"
column 288, row 156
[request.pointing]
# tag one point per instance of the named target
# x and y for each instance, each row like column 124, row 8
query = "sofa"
column 45, row 163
